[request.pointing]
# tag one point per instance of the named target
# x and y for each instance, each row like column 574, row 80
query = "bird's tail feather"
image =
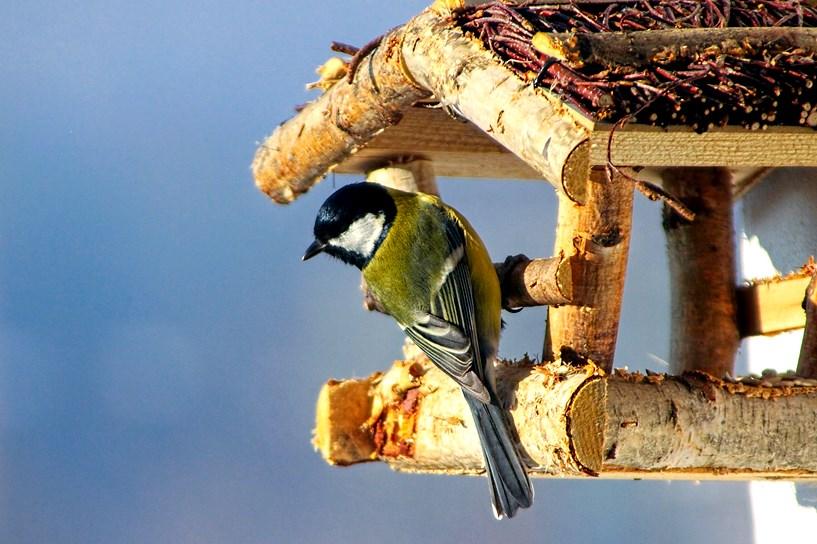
column 510, row 486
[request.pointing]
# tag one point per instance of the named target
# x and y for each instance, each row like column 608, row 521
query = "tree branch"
column 302, row 150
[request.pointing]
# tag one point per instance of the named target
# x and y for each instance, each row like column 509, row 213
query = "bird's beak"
column 313, row 249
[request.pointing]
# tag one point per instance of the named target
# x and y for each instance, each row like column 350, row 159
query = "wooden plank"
column 460, row 149
column 773, row 306
column 456, row 148
column 641, row 145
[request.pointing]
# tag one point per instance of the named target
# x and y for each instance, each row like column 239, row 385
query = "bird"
column 427, row 268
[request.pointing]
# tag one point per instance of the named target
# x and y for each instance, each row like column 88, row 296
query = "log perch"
column 575, row 422
column 702, row 272
column 539, row 282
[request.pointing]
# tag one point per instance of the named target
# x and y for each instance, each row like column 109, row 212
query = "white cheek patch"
column 362, row 235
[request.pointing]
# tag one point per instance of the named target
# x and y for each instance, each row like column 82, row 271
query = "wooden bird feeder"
column 593, row 97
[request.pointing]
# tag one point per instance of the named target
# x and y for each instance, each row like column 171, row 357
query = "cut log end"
column 585, row 424
column 342, row 410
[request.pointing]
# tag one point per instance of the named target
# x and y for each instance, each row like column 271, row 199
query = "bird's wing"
column 447, row 334
column 449, row 349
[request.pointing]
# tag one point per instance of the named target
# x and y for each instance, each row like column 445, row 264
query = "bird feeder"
column 689, row 102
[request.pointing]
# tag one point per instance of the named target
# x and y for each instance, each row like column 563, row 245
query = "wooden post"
column 702, row 272
column 598, row 233
column 807, row 364
column 415, row 175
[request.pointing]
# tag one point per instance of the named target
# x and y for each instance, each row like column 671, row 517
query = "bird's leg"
column 503, row 271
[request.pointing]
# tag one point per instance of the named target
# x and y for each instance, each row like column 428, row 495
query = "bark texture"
column 598, row 234
column 302, row 150
column 702, row 272
column 807, row 363
column 573, row 421
column 427, row 56
column 539, row 282
column 662, row 46
column 531, row 123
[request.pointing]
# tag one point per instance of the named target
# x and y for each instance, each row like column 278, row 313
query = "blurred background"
column 162, row 345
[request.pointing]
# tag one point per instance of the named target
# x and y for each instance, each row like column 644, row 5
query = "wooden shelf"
column 460, row 149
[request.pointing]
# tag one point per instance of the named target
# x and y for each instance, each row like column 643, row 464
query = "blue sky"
column 162, row 345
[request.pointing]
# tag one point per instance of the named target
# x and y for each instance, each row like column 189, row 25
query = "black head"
column 353, row 222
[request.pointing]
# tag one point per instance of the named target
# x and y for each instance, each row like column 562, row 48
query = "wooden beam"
column 702, row 272
column 459, row 149
column 772, row 306
column 428, row 55
column 540, row 282
column 598, row 234
column 303, row 149
column 575, row 422
column 465, row 77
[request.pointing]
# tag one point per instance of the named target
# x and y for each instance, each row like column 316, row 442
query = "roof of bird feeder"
column 564, row 86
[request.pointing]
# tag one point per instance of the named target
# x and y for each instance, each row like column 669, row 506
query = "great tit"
column 425, row 266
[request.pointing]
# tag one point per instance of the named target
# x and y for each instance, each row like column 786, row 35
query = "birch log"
column 702, row 272
column 576, row 422
column 536, row 126
column 427, row 56
column 302, row 150
column 597, row 233
column 539, row 282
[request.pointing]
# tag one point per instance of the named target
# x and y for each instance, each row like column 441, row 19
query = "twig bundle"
column 750, row 84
